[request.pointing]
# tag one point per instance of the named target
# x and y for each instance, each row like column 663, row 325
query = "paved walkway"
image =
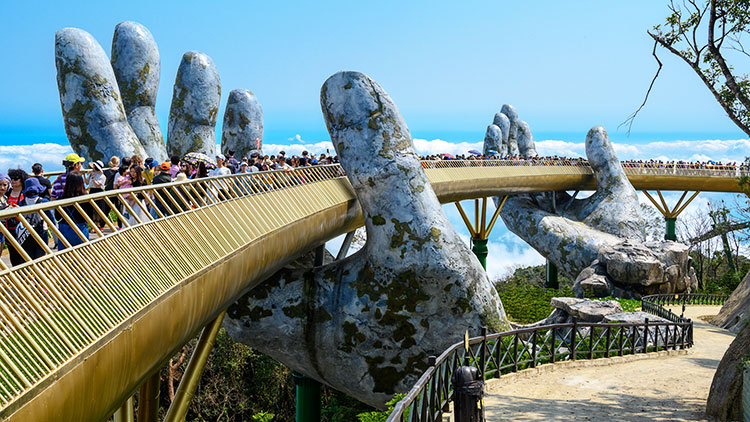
column 673, row 388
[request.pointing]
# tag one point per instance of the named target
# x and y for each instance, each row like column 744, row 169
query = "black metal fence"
column 511, row 351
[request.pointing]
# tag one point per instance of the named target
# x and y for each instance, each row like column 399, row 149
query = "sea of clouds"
column 507, row 251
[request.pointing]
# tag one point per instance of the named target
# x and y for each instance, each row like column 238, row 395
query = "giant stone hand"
column 601, row 238
column 366, row 324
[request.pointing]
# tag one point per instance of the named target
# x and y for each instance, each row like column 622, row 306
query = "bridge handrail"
column 168, row 198
column 500, row 353
column 39, row 332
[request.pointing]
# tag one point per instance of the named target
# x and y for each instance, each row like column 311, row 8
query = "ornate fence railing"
column 497, row 354
column 686, row 299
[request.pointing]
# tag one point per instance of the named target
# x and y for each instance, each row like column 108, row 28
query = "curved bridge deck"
column 82, row 328
column 648, row 389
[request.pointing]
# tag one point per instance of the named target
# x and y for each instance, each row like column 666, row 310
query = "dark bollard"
column 468, row 390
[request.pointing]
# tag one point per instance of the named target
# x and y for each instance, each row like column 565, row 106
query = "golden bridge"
column 82, row 329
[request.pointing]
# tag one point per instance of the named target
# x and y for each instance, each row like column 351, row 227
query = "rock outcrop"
column 493, row 140
column 736, row 310
column 365, row 325
column 512, row 115
column 725, row 397
column 137, row 66
column 242, row 130
column 602, row 234
column 92, row 109
column 501, row 121
column 195, row 106
column 526, row 145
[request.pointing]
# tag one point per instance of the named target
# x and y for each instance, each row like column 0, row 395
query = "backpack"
column 35, row 221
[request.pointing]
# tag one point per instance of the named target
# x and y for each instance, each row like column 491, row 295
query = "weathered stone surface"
column 95, row 119
column 512, row 114
column 493, row 140
column 724, row 398
column 195, row 105
column 366, row 324
column 501, row 120
column 586, row 310
column 592, row 281
column 607, row 226
column 736, row 311
column 137, row 66
column 633, row 318
column 526, row 145
column 242, row 130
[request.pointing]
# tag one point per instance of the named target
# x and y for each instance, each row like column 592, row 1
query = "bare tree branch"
column 629, row 121
column 716, row 55
column 719, row 231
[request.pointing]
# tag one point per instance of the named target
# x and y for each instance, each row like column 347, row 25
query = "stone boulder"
column 137, row 67
column 92, row 108
column 526, row 144
column 736, row 311
column 586, row 310
column 195, row 106
column 501, row 121
column 242, row 130
column 633, row 269
column 725, row 397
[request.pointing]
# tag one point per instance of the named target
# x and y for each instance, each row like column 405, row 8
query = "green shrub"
column 527, row 304
column 382, row 416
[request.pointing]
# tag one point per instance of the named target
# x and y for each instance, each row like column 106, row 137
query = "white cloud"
column 23, row 156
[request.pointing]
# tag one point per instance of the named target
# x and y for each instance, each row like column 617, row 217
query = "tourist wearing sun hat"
column 72, row 163
column 31, row 196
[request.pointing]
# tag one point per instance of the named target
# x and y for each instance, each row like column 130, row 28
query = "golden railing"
column 56, row 306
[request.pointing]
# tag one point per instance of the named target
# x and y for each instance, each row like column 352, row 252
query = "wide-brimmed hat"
column 97, row 165
column 32, row 187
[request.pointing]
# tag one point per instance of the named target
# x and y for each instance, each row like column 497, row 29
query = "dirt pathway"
column 672, row 388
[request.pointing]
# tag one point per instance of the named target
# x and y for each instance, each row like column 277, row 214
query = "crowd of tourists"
column 561, row 160
column 19, row 188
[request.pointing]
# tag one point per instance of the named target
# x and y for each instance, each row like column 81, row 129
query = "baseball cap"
column 166, row 166
column 74, row 158
column 221, row 157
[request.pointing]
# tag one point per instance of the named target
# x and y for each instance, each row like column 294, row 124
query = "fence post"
column 609, row 341
column 591, row 342
column 621, row 340
column 645, row 336
column 573, row 334
column 436, row 387
column 554, row 339
column 533, row 349
column 690, row 333
column 634, row 334
column 483, row 353
column 515, row 352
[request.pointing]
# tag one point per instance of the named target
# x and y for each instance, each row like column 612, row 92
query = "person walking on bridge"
column 74, row 187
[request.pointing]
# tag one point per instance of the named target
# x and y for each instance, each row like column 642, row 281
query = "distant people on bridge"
column 38, row 172
column 74, row 187
column 32, row 195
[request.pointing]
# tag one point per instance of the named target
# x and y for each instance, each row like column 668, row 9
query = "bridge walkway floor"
column 660, row 389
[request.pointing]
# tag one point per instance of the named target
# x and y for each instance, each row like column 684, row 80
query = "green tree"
column 706, row 35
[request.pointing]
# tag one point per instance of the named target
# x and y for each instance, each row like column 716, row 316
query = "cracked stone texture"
column 607, row 226
column 725, row 397
column 501, row 121
column 136, row 63
column 195, row 105
column 493, row 139
column 736, row 310
column 512, row 115
column 243, row 124
column 94, row 116
column 366, row 325
column 526, row 145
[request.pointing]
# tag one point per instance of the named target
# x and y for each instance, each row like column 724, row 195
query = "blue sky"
column 566, row 66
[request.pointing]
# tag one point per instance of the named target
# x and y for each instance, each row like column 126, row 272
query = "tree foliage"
column 705, row 35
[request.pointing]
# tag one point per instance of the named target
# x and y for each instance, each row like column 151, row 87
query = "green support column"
column 551, row 276
column 480, row 250
column 670, row 234
column 308, row 398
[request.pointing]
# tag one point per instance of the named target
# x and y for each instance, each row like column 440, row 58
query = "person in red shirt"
column 15, row 196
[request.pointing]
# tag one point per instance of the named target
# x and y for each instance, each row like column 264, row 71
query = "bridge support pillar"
column 193, row 372
column 671, row 233
column 148, row 400
column 125, row 413
column 480, row 230
column 479, row 247
column 670, row 215
column 308, row 398
column 550, row 276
